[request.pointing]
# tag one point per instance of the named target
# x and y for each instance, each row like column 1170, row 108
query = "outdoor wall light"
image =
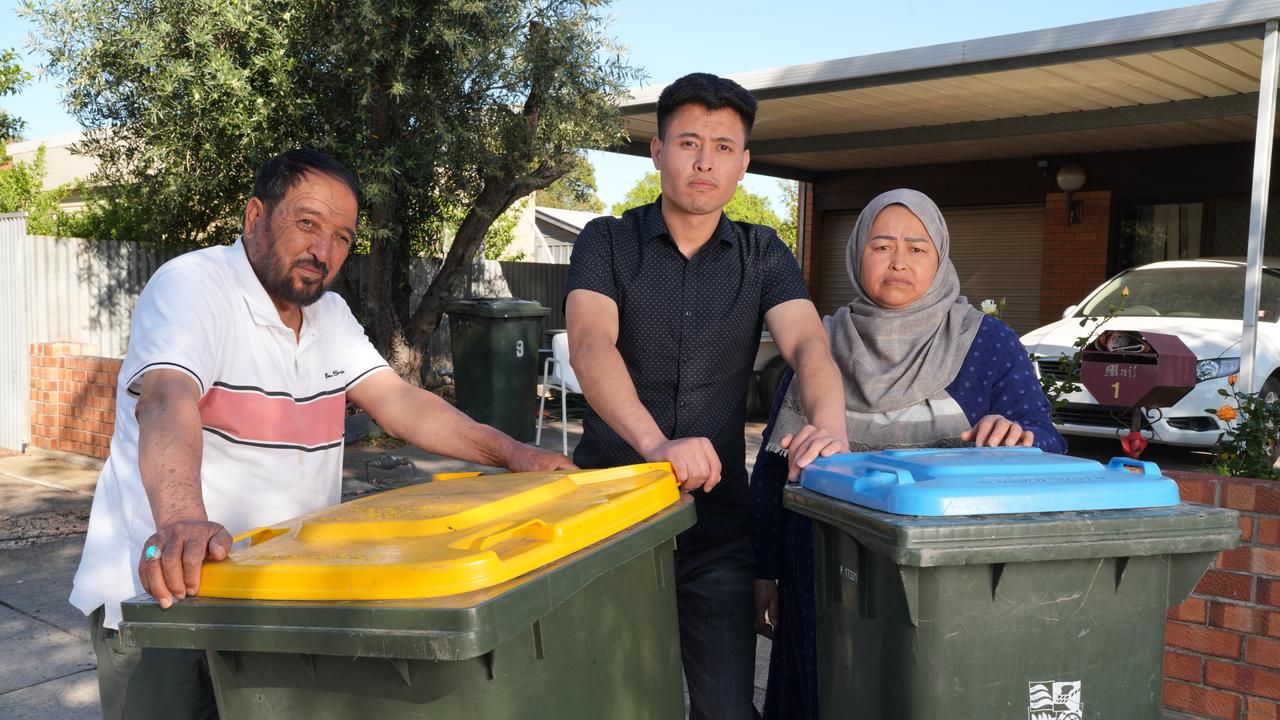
column 1070, row 179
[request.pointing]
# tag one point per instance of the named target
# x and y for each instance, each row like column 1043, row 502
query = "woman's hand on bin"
column 807, row 445
column 997, row 430
column 767, row 619
column 171, row 558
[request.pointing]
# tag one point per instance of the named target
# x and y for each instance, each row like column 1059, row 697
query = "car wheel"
column 1270, row 393
column 1271, row 390
column 770, row 380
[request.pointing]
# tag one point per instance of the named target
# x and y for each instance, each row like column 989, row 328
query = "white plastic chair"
column 558, row 373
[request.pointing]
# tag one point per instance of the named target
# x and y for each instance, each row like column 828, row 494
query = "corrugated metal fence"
column 15, row 365
column 84, row 291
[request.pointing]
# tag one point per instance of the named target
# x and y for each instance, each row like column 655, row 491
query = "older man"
column 664, row 310
column 230, row 416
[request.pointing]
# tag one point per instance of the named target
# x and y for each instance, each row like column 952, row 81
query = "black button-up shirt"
column 688, row 330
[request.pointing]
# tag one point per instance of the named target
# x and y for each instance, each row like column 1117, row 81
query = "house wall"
column 1076, row 258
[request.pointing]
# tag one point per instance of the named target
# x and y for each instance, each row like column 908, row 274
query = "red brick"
column 1241, row 618
column 1262, row 651
column 1221, row 583
column 1251, row 496
column 1256, row 709
column 1183, row 667
column 1268, row 532
column 1246, row 528
column 1242, row 679
column 1193, row 609
column 1268, row 592
column 1201, row 701
column 1253, row 559
column 1200, row 639
column 1197, row 491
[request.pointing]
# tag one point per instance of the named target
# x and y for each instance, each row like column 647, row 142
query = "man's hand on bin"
column 694, row 460
column 527, row 458
column 996, row 431
column 172, row 558
column 767, row 615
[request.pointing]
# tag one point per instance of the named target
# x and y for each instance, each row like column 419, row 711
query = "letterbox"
column 1135, row 368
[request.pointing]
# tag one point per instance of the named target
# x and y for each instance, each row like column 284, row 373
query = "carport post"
column 1258, row 203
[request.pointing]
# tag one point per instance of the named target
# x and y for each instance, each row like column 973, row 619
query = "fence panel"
column 84, row 290
column 15, row 362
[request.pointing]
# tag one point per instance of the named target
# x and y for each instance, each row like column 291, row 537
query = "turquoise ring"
column 151, row 553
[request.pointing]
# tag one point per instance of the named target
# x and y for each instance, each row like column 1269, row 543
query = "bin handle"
column 873, row 475
column 438, row 477
column 256, row 536
column 1137, row 467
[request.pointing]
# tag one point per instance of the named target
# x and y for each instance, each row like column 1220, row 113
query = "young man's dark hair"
column 281, row 173
column 712, row 93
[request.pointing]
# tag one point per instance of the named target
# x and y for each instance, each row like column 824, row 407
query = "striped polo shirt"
column 271, row 406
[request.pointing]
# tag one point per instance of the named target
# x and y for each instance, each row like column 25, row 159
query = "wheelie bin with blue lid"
column 998, row 582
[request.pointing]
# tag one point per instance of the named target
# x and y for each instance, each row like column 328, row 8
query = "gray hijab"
column 893, row 359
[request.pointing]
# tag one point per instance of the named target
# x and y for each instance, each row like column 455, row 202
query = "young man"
column 230, row 416
column 665, row 307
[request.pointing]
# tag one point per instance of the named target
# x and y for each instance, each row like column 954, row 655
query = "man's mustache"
column 314, row 264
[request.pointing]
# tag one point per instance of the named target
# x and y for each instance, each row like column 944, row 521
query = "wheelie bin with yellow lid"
column 524, row 595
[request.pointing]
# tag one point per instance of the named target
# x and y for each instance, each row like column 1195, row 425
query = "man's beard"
column 276, row 276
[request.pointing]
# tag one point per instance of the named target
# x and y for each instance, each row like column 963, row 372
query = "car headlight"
column 1221, row 367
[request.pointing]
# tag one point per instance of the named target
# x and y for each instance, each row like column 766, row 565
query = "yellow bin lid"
column 453, row 535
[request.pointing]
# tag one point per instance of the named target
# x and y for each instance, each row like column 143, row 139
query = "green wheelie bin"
column 990, row 583
column 494, row 342
column 530, row 595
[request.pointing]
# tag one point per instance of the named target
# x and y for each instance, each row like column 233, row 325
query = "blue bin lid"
column 987, row 481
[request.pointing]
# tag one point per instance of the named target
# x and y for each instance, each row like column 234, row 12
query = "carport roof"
column 1177, row 77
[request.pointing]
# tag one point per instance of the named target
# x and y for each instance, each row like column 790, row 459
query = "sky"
column 669, row 39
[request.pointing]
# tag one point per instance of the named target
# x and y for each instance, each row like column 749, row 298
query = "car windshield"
column 1194, row 292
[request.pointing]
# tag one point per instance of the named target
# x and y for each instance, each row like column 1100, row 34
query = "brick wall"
column 1075, row 256
column 812, row 229
column 1222, row 646
column 72, row 399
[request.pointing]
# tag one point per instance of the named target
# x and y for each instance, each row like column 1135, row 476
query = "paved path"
column 46, row 665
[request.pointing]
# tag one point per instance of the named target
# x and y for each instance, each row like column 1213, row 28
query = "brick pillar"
column 812, row 228
column 72, row 399
column 1075, row 256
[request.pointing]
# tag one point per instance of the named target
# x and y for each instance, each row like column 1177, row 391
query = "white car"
column 1201, row 302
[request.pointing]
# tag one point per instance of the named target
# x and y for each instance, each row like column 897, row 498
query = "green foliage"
column 448, row 111
column 1251, row 443
column 502, row 233
column 575, row 191
column 744, row 207
column 12, row 79
column 22, row 190
column 789, row 224
column 1067, row 379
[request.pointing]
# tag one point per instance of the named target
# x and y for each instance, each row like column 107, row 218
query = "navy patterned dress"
column 996, row 379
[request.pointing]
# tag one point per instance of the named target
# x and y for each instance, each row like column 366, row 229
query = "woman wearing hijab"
column 922, row 368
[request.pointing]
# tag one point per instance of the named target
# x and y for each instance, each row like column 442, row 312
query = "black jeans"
column 141, row 683
column 715, row 594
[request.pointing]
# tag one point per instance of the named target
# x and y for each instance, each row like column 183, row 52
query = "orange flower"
column 1226, row 413
column 1231, row 379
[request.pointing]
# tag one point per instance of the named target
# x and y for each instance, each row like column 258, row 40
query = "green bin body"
column 495, row 361
column 593, row 635
column 984, row 617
